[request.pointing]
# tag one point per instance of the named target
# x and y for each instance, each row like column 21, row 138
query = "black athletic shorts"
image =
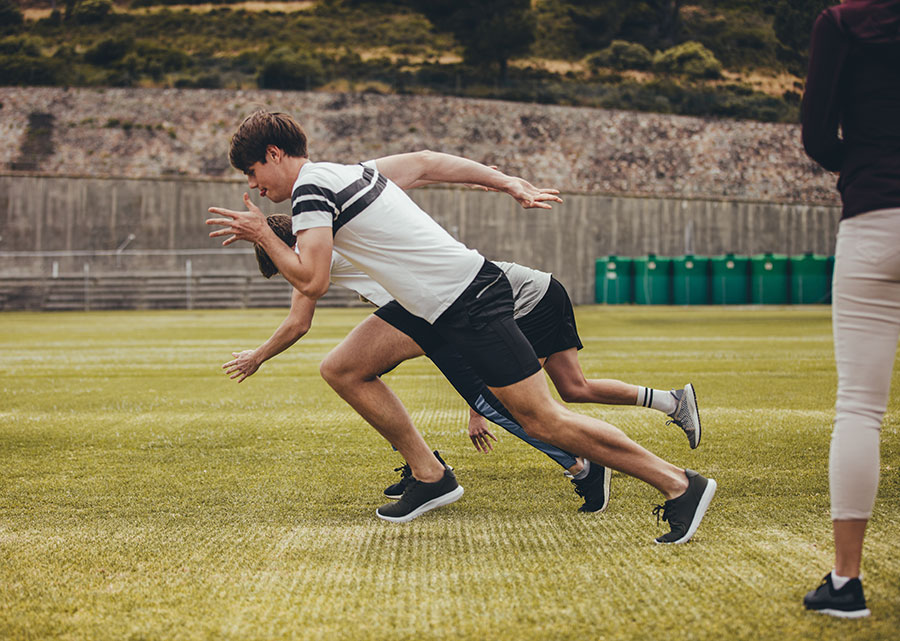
column 418, row 329
column 550, row 326
column 481, row 326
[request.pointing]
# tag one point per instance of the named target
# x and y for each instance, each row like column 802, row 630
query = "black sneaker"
column 685, row 512
column 849, row 602
column 419, row 497
column 593, row 488
column 395, row 491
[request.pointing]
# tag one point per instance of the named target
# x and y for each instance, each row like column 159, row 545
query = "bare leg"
column 353, row 369
column 542, row 417
column 568, row 378
column 848, row 544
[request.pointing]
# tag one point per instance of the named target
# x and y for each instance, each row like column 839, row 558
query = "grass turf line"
column 143, row 495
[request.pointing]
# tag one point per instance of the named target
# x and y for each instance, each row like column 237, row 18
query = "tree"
column 10, row 15
column 653, row 23
column 490, row 31
column 794, row 20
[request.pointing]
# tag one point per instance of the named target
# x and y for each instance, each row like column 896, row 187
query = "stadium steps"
column 154, row 291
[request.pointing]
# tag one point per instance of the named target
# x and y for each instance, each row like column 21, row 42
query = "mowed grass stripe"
column 144, row 495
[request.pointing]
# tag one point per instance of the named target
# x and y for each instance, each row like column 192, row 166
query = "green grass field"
column 143, row 495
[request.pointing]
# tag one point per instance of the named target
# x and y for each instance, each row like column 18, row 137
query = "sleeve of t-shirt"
column 313, row 201
column 823, row 100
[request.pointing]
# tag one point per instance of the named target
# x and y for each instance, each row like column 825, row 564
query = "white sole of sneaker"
column 440, row 501
column 607, row 475
column 702, row 506
column 696, row 415
column 393, row 497
column 855, row 614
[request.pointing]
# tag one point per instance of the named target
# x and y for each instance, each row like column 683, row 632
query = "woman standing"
column 854, row 83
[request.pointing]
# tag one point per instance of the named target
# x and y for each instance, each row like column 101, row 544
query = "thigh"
column 866, row 307
column 416, row 328
column 372, row 348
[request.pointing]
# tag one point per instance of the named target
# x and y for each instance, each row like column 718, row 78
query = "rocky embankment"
column 167, row 132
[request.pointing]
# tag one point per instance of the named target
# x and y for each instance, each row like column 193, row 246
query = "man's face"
column 269, row 180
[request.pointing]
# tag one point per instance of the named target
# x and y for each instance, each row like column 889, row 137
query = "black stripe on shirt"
column 326, row 196
column 360, row 204
column 355, row 187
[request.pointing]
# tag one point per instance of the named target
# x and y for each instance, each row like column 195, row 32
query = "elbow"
column 314, row 291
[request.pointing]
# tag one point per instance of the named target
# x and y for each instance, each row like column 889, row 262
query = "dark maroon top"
column 854, row 82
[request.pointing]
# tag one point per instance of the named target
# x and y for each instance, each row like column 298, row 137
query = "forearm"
column 446, row 168
column 822, row 99
column 302, row 275
column 288, row 333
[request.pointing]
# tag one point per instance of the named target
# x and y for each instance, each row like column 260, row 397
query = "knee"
column 334, row 370
column 540, row 425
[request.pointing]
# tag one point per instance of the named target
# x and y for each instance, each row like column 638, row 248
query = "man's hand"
column 479, row 433
column 531, row 197
column 247, row 225
column 244, row 364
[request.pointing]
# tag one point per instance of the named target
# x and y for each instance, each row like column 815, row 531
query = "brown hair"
column 281, row 225
column 261, row 129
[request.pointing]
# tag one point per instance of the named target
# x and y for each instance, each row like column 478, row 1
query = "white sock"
column 839, row 581
column 656, row 399
column 584, row 471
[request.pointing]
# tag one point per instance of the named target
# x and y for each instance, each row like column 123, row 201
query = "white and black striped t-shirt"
column 378, row 228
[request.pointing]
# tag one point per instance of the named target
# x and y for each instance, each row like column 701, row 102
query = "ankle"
column 677, row 486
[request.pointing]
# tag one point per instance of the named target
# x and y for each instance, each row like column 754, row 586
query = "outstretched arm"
column 308, row 271
column 292, row 329
column 426, row 167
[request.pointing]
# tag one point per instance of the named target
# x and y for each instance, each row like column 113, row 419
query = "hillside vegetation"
column 737, row 58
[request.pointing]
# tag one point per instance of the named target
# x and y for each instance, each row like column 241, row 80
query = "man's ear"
column 274, row 153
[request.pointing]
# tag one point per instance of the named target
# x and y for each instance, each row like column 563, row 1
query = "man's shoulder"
column 328, row 175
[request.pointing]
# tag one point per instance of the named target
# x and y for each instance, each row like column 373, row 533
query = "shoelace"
column 665, row 512
column 405, row 470
column 578, row 489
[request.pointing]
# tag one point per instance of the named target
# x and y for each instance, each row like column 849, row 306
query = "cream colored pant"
column 866, row 323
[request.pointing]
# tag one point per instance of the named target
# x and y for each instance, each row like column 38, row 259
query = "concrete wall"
column 92, row 217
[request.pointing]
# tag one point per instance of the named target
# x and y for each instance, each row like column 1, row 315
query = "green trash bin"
column 613, row 280
column 769, row 279
column 811, row 279
column 690, row 280
column 653, row 280
column 730, row 279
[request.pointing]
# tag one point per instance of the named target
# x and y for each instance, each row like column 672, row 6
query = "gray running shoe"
column 420, row 497
column 686, row 415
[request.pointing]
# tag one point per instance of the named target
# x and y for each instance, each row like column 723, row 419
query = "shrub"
column 18, row 69
column 622, row 55
column 108, row 50
column 284, row 68
column 91, row 11
column 691, row 59
column 22, row 45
